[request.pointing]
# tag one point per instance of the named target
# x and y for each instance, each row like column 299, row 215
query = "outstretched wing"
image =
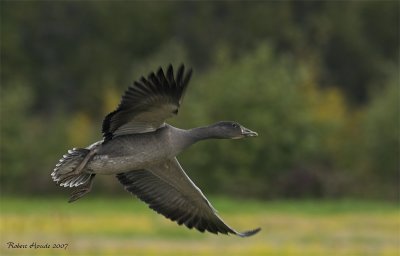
column 169, row 191
column 147, row 103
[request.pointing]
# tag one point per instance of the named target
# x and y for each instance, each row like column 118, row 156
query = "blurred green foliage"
column 318, row 81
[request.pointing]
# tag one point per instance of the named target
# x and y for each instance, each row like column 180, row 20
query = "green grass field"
column 126, row 226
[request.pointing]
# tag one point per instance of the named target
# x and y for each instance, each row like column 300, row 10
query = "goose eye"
column 235, row 125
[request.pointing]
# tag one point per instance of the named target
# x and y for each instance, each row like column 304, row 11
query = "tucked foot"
column 79, row 168
column 70, row 171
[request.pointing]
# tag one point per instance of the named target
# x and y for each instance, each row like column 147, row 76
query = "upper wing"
column 147, row 103
column 168, row 190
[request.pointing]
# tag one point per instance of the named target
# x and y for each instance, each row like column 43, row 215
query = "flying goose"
column 140, row 149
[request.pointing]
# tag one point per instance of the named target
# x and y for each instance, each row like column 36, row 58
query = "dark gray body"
column 138, row 151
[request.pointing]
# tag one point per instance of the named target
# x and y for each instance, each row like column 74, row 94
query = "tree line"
column 317, row 80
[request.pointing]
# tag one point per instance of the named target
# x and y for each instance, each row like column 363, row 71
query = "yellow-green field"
column 127, row 227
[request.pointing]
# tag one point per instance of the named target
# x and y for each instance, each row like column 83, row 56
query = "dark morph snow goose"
column 141, row 149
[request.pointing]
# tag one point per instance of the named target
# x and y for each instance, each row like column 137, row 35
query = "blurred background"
column 319, row 82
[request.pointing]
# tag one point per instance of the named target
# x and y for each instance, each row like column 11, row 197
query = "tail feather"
column 67, row 164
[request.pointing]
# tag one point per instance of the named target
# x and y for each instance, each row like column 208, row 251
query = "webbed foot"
column 82, row 190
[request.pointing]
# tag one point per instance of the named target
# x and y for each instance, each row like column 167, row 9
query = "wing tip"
column 248, row 233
